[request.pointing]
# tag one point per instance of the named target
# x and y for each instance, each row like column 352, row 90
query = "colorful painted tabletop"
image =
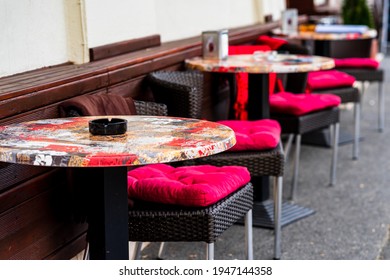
column 334, row 36
column 312, row 35
column 262, row 62
column 66, row 142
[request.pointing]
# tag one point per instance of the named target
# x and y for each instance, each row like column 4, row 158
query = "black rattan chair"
column 152, row 222
column 348, row 94
column 346, row 49
column 371, row 75
column 156, row 222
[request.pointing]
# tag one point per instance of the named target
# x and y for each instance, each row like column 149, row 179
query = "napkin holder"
column 215, row 44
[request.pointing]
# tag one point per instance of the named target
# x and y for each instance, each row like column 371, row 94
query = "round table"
column 336, row 45
column 258, row 67
column 67, row 142
column 312, row 35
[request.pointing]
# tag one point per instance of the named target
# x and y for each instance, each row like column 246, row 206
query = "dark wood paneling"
column 48, row 96
column 67, row 252
column 114, row 49
column 36, row 218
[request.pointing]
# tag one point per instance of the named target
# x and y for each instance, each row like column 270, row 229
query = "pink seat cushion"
column 301, row 104
column 356, row 62
column 247, row 49
column 319, row 80
column 254, row 135
column 201, row 185
column 273, row 43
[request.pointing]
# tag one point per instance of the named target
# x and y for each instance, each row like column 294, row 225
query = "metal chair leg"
column 278, row 190
column 288, row 146
column 137, row 251
column 356, row 139
column 249, row 235
column 334, row 156
column 381, row 109
column 331, row 135
column 86, row 252
column 362, row 94
column 296, row 165
column 210, row 251
column 161, row 251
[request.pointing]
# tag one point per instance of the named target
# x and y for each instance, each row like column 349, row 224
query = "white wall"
column 39, row 33
column 273, row 8
column 32, row 35
column 111, row 21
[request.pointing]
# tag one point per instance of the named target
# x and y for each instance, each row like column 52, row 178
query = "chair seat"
column 366, row 74
column 194, row 186
column 356, row 62
column 273, row 43
column 254, row 135
column 247, row 49
column 259, row 163
column 308, row 122
column 320, row 80
column 301, row 104
column 163, row 222
column 347, row 94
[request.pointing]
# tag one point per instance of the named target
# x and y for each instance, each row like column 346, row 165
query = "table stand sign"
column 290, row 21
column 215, row 44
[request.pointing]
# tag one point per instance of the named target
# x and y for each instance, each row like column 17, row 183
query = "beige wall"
column 32, row 35
column 173, row 19
column 39, row 33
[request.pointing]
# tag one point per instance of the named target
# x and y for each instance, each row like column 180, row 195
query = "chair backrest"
column 345, row 48
column 303, row 6
column 181, row 91
column 86, row 106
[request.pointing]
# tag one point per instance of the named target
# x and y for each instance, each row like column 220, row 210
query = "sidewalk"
column 352, row 219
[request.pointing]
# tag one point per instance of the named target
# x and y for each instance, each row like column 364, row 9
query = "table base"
column 263, row 214
column 108, row 231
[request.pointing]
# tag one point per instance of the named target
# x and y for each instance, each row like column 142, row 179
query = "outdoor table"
column 327, row 44
column 335, row 45
column 66, row 142
column 259, row 66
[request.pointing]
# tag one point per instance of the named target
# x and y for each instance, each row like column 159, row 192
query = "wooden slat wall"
column 34, row 221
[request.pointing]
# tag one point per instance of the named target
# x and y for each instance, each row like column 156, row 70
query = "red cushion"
column 273, row 43
column 254, row 135
column 328, row 79
column 200, row 185
column 356, row 62
column 242, row 80
column 300, row 104
column 247, row 49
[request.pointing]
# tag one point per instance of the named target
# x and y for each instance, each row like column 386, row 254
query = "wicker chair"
column 157, row 222
column 348, row 94
column 166, row 223
column 182, row 92
column 371, row 75
column 142, row 108
column 346, row 49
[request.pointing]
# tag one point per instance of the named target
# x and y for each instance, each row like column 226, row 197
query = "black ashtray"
column 108, row 126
